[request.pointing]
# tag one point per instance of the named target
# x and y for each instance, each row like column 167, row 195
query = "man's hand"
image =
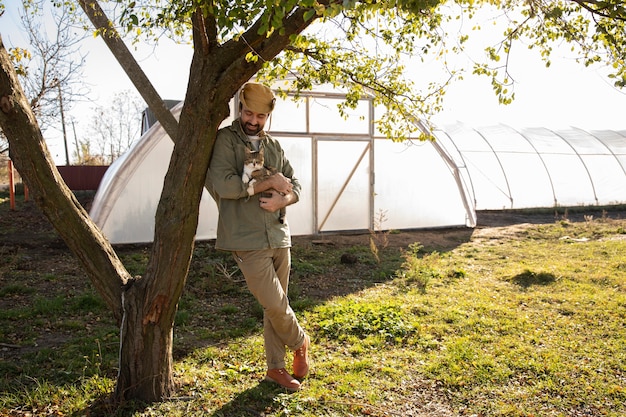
column 272, row 200
column 280, row 183
column 276, row 182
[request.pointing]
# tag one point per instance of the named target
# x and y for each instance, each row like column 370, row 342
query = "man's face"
column 252, row 122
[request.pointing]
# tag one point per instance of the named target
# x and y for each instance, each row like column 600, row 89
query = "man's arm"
column 276, row 182
column 224, row 174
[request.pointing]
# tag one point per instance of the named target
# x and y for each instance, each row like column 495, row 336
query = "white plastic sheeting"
column 538, row 167
column 125, row 204
column 354, row 180
column 351, row 179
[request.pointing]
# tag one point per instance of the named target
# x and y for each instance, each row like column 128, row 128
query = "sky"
column 167, row 68
column 565, row 95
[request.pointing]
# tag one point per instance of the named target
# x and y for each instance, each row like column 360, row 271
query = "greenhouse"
column 354, row 179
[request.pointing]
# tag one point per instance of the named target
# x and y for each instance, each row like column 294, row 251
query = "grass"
column 525, row 323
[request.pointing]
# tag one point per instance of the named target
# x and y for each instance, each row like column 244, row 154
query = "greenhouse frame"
column 354, row 179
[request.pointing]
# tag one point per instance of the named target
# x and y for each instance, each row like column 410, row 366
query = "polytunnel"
column 354, row 179
column 507, row 168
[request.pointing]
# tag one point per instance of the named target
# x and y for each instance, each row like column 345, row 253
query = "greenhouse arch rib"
column 608, row 148
column 543, row 162
column 454, row 166
column 495, row 154
column 456, row 173
column 582, row 161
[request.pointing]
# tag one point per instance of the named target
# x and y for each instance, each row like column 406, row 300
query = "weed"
column 363, row 319
column 419, row 272
column 379, row 239
column 229, row 272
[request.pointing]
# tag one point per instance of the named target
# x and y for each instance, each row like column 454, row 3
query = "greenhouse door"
column 344, row 186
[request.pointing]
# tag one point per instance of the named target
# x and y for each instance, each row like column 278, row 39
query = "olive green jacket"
column 242, row 224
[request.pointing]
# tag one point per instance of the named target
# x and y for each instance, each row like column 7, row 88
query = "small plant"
column 379, row 239
column 418, row 272
column 362, row 319
column 16, row 289
column 457, row 274
column 227, row 272
column 414, row 248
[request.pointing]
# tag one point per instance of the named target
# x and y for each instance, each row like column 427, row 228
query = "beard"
column 252, row 129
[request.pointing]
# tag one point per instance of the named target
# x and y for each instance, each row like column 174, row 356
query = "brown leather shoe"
column 283, row 378
column 301, row 359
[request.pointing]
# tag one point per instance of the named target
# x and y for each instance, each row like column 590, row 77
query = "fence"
column 77, row 178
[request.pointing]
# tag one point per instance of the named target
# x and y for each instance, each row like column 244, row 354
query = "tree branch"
column 266, row 48
column 603, row 9
column 200, row 37
column 33, row 161
column 117, row 47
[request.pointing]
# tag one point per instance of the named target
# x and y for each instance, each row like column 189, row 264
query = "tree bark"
column 145, row 370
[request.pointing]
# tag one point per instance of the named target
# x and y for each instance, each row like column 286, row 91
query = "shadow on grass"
column 61, row 346
column 102, row 406
column 256, row 401
column 529, row 278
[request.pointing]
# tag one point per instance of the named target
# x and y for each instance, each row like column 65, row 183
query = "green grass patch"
column 526, row 323
column 15, row 289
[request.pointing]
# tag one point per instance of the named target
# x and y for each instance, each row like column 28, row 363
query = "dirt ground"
column 488, row 223
column 25, row 232
column 27, row 228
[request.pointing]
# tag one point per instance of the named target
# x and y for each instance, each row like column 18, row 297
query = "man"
column 249, row 227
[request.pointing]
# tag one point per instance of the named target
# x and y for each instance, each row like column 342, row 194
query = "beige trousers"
column 267, row 275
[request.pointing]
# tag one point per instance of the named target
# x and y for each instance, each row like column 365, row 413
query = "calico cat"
column 254, row 167
column 254, row 170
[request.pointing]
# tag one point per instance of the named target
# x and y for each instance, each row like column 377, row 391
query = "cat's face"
column 254, row 160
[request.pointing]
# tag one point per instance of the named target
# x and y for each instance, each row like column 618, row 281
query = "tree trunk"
column 145, row 350
column 147, row 306
column 29, row 153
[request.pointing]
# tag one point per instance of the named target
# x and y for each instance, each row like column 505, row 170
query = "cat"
column 254, row 170
column 253, row 167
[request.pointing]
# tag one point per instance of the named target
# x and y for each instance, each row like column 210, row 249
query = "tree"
column 50, row 69
column 113, row 129
column 232, row 42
